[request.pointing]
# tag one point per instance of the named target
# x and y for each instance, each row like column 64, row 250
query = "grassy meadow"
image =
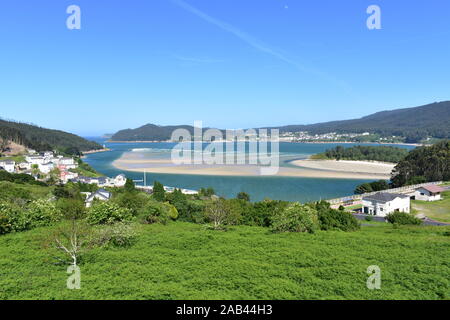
column 437, row 210
column 188, row 261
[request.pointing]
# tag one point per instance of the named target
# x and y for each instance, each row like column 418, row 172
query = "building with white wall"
column 429, row 193
column 383, row 203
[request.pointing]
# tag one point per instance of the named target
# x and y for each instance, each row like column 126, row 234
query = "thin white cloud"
column 259, row 45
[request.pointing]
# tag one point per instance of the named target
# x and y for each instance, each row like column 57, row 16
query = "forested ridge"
column 370, row 153
column 412, row 125
column 42, row 139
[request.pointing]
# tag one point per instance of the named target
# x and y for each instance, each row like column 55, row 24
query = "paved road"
column 426, row 222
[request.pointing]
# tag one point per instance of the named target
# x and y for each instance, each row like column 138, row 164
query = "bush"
column 42, row 212
column 119, row 235
column 38, row 213
column 71, row 208
column 403, row 218
column 158, row 212
column 337, row 220
column 295, row 218
column 105, row 212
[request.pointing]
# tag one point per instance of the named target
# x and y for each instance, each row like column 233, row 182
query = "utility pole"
column 145, row 179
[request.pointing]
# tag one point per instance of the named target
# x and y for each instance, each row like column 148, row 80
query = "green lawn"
column 438, row 210
column 13, row 158
column 188, row 261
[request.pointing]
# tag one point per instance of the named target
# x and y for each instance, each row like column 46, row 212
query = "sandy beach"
column 300, row 168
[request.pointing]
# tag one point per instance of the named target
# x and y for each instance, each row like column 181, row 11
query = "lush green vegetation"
column 371, row 153
column 372, row 187
column 438, row 210
column 86, row 170
column 413, row 124
column 174, row 246
column 42, row 139
column 403, row 218
column 186, row 261
column 424, row 164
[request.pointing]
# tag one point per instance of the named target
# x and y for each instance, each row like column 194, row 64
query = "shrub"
column 42, row 212
column 71, row 208
column 158, row 212
column 295, row 218
column 159, row 194
column 105, row 212
column 119, row 234
column 337, row 220
column 402, row 218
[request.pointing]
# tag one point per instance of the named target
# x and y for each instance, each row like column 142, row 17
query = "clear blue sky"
column 230, row 63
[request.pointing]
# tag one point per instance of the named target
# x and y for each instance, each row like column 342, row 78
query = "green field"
column 188, row 261
column 437, row 210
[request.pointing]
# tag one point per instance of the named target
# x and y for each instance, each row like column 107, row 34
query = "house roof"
column 384, row 197
column 433, row 189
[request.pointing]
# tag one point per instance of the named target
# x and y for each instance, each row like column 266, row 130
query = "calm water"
column 280, row 188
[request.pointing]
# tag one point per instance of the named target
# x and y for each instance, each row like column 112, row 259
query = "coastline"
column 94, row 151
column 300, row 168
column 309, row 142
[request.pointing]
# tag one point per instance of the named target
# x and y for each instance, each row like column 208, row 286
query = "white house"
column 35, row 159
column 24, row 166
column 46, row 167
column 120, row 180
column 8, row 165
column 100, row 194
column 383, row 203
column 429, row 193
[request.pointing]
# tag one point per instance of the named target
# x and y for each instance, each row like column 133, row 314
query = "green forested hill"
column 42, row 139
column 414, row 124
column 424, row 164
column 149, row 132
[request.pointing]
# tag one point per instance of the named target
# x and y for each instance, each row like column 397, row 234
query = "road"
column 426, row 222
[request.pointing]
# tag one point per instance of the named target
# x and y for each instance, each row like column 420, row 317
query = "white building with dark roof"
column 383, row 203
column 100, row 194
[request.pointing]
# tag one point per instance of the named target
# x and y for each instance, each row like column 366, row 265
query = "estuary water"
column 258, row 187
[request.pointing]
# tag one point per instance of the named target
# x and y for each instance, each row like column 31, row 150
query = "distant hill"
column 149, row 132
column 42, row 139
column 414, row 124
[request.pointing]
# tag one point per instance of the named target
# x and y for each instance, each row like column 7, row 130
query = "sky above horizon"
column 228, row 63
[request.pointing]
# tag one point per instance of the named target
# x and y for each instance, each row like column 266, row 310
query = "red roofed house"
column 429, row 193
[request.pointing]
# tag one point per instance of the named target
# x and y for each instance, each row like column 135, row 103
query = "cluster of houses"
column 45, row 162
column 383, row 203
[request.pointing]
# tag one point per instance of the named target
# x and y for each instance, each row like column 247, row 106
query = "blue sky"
column 229, row 63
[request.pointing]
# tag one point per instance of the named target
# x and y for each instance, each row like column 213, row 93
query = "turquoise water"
column 259, row 188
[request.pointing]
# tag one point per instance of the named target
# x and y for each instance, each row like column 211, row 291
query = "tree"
column 218, row 213
column 363, row 188
column 243, row 196
column 159, row 194
column 129, row 186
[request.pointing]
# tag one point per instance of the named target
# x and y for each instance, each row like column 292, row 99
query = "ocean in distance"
column 258, row 187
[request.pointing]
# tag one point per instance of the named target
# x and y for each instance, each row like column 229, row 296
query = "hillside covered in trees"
column 370, row 153
column 424, row 164
column 42, row 139
column 413, row 124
